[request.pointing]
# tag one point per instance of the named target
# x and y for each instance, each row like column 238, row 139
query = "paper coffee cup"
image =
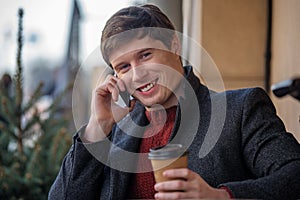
column 171, row 156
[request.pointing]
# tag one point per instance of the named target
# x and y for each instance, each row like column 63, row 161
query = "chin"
column 148, row 104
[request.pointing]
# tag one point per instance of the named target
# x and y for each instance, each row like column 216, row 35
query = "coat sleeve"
column 271, row 154
column 80, row 175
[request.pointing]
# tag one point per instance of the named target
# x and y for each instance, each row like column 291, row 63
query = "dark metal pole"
column 268, row 53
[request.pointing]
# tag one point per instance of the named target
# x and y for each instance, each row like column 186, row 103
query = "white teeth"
column 148, row 87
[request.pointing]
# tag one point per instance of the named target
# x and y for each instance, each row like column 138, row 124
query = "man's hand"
column 104, row 111
column 186, row 185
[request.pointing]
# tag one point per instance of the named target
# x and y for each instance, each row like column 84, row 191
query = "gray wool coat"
column 236, row 141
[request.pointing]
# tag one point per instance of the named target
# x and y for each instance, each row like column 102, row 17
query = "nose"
column 139, row 73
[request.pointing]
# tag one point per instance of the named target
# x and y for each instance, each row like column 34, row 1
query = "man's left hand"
column 186, row 184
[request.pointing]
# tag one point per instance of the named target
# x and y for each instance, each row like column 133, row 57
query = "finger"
column 177, row 195
column 171, row 195
column 113, row 89
column 182, row 173
column 116, row 85
column 115, row 93
column 121, row 85
column 174, row 185
column 111, row 79
column 117, row 81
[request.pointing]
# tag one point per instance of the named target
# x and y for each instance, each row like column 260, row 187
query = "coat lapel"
column 126, row 140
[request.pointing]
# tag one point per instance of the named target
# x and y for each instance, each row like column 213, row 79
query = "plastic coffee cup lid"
column 166, row 152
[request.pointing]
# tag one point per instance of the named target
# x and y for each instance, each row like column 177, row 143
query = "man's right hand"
column 104, row 110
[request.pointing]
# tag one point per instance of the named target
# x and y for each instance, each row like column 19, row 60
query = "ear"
column 176, row 46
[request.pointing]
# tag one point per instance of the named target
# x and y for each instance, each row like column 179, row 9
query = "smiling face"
column 149, row 69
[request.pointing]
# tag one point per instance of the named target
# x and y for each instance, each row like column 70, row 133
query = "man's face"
column 150, row 70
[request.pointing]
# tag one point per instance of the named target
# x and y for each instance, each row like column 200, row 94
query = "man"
column 252, row 157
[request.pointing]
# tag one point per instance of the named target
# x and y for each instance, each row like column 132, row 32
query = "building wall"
column 286, row 59
column 234, row 34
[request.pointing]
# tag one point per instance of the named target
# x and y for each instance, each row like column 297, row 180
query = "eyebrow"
column 146, row 49
column 143, row 50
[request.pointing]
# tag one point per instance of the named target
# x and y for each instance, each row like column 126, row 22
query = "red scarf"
column 156, row 134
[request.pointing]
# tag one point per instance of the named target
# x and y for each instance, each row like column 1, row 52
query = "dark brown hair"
column 138, row 18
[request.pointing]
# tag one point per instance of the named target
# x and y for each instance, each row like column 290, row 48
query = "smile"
column 147, row 87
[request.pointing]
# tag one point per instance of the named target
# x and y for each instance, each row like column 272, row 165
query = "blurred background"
column 253, row 43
